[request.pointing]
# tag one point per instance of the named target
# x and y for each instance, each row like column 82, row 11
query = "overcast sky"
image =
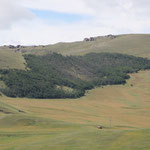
column 30, row 22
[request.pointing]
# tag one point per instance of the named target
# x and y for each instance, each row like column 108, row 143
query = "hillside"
column 132, row 44
column 72, row 124
column 123, row 111
column 10, row 60
column 58, row 76
column 137, row 45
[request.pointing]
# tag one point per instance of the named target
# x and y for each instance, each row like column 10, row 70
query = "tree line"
column 44, row 74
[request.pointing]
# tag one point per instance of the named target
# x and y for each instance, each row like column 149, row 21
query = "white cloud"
column 107, row 17
column 11, row 12
column 130, row 15
column 37, row 32
column 67, row 6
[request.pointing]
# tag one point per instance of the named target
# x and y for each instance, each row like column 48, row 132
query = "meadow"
column 71, row 124
column 131, row 44
column 67, row 124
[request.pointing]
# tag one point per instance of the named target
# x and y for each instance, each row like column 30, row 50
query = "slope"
column 49, row 74
column 72, row 124
column 11, row 60
column 132, row 44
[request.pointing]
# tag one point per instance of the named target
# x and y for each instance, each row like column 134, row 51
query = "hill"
column 131, row 44
column 10, row 60
column 57, row 76
column 71, row 124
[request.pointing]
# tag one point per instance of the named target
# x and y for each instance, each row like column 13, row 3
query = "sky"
column 42, row 22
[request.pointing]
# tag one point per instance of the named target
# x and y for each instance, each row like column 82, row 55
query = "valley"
column 72, row 124
column 123, row 111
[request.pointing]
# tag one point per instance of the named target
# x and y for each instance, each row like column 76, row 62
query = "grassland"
column 68, row 124
column 132, row 44
column 11, row 60
column 72, row 124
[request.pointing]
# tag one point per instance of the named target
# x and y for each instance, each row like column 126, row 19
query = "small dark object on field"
column 132, row 85
column 89, row 39
column 99, row 127
column 11, row 46
column 17, row 50
column 5, row 112
column 86, row 39
column 18, row 46
column 111, row 36
column 21, row 111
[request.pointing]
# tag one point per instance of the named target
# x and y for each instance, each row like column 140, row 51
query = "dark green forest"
column 57, row 76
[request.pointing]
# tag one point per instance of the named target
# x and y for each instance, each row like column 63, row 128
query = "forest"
column 57, row 76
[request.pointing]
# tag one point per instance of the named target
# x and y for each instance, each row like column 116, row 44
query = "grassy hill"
column 47, row 75
column 68, row 124
column 11, row 60
column 72, row 124
column 137, row 45
column 132, row 44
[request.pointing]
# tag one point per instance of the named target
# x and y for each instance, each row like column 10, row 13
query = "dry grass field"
column 11, row 60
column 72, row 124
column 127, row 105
column 132, row 44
